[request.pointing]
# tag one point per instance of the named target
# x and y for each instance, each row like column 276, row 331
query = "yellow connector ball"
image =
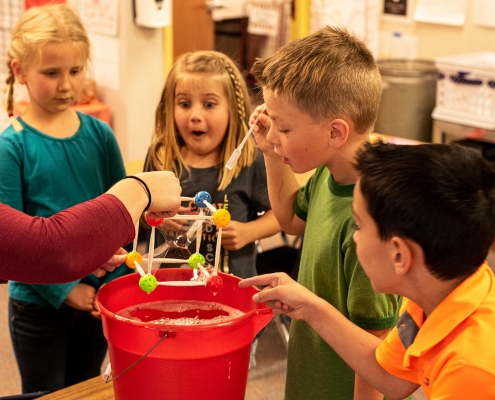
column 221, row 217
column 133, row 256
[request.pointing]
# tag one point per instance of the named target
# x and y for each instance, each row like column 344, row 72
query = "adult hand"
column 175, row 225
column 164, row 189
column 282, row 294
column 165, row 193
column 117, row 259
column 261, row 129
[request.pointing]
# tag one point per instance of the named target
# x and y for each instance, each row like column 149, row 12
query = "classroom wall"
column 436, row 40
column 141, row 71
column 146, row 56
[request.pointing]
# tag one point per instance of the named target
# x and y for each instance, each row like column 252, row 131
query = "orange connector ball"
column 133, row 256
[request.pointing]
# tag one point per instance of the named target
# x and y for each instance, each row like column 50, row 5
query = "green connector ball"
column 148, row 283
column 196, row 259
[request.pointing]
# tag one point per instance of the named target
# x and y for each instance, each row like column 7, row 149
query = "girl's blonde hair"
column 37, row 27
column 166, row 142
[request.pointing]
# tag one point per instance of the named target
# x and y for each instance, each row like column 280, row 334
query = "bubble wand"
column 212, row 281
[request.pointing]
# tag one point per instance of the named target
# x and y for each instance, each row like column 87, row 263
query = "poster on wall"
column 396, row 11
column 483, row 12
column 100, row 16
column 445, row 12
column 361, row 17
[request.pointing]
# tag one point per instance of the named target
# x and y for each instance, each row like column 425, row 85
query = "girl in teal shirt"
column 53, row 158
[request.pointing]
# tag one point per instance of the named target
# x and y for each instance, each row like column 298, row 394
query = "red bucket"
column 192, row 361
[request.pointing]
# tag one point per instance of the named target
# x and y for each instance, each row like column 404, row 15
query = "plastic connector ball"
column 148, row 283
column 214, row 284
column 200, row 198
column 131, row 257
column 221, row 217
column 196, row 259
column 154, row 221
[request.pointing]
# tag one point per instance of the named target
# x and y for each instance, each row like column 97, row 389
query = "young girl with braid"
column 201, row 118
column 52, row 158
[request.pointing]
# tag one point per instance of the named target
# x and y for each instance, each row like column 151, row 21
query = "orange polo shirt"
column 452, row 353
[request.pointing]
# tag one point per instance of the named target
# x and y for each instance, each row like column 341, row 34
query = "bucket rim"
column 262, row 310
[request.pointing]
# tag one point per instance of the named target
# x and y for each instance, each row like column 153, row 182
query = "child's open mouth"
column 198, row 133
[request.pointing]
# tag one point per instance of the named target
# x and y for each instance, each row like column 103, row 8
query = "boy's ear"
column 17, row 70
column 402, row 255
column 339, row 132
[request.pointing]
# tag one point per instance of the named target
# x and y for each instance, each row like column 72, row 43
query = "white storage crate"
column 466, row 89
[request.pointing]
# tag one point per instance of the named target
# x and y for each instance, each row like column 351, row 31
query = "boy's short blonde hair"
column 328, row 74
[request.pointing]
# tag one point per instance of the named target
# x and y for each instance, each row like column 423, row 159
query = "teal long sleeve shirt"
column 41, row 175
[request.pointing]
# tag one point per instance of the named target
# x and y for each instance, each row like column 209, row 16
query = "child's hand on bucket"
column 283, row 295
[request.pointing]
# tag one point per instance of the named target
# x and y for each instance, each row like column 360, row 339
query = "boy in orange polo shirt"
column 425, row 220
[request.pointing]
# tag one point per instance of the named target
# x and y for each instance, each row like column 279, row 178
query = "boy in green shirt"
column 322, row 94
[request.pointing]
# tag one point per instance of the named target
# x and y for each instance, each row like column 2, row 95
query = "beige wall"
column 141, row 78
column 146, row 55
column 441, row 40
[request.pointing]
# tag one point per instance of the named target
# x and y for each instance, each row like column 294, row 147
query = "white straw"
column 192, row 229
column 191, row 217
column 167, row 260
column 199, row 232
column 134, row 243
column 237, row 152
column 152, row 246
column 209, row 206
column 203, row 270
column 217, row 252
column 139, row 269
column 182, row 283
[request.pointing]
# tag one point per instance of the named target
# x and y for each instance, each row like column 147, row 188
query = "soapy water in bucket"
column 184, row 312
column 203, row 274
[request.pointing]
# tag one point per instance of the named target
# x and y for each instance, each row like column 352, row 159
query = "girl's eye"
column 209, row 104
column 50, row 73
column 283, row 130
column 183, row 104
column 356, row 227
column 75, row 71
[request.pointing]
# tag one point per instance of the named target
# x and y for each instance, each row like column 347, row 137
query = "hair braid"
column 241, row 110
column 9, row 100
column 9, row 92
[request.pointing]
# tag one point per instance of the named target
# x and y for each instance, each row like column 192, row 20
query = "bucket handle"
column 163, row 335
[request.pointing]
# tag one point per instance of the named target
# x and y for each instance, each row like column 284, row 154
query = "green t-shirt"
column 330, row 269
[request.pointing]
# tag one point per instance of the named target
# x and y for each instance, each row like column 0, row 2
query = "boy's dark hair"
column 328, row 74
column 440, row 196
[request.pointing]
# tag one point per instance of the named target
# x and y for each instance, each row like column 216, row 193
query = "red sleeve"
column 67, row 246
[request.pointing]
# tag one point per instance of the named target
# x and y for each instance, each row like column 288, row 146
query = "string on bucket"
column 108, row 380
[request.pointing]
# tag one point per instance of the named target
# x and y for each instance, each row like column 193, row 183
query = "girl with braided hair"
column 201, row 118
column 52, row 158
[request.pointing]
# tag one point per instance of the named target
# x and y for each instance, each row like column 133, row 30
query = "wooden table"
column 92, row 389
